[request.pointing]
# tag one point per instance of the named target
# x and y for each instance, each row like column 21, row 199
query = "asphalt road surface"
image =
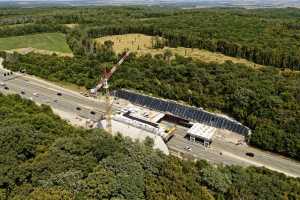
column 43, row 92
column 231, row 154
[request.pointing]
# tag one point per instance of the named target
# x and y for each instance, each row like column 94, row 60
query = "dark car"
column 6, row 88
column 23, row 92
column 250, row 154
column 78, row 108
column 59, row 94
column 93, row 112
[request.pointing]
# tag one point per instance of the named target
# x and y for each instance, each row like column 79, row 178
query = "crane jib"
column 107, row 76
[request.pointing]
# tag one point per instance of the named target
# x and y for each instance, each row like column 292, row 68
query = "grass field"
column 15, row 25
column 142, row 44
column 54, row 42
column 134, row 42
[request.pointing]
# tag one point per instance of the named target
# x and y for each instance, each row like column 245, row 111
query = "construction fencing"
column 186, row 112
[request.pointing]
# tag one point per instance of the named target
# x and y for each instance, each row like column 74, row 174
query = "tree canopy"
column 42, row 157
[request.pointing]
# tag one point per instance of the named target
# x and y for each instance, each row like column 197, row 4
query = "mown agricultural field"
column 144, row 44
column 55, row 42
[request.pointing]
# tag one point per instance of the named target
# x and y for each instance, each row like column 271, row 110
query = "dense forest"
column 267, row 100
column 42, row 157
column 268, row 37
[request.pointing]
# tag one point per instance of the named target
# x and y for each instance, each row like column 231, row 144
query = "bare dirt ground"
column 71, row 118
column 228, row 136
column 143, row 44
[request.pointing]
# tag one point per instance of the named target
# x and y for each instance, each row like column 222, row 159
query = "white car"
column 188, row 148
column 36, row 94
column 2, row 84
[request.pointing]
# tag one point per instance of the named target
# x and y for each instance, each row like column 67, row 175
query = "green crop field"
column 45, row 41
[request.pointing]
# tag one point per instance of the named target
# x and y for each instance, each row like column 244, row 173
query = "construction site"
column 140, row 116
column 176, row 128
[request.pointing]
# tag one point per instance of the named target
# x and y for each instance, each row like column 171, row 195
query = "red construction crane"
column 103, row 83
column 107, row 74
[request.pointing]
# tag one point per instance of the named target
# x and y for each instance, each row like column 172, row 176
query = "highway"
column 43, row 92
column 71, row 105
column 231, row 154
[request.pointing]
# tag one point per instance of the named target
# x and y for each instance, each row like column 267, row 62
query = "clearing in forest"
column 143, row 44
column 46, row 43
column 71, row 26
column 133, row 42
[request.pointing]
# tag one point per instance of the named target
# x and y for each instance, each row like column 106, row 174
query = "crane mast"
column 103, row 83
column 108, row 105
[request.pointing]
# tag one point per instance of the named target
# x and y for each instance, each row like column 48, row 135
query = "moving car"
column 250, row 154
column 188, row 148
column 93, row 112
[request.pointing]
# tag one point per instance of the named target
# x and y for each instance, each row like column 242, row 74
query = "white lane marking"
column 49, row 98
column 233, row 158
column 266, row 157
column 39, row 82
column 255, row 163
column 41, row 88
column 53, row 87
column 35, row 82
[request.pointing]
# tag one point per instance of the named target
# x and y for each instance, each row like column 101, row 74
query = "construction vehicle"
column 169, row 133
column 103, row 83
